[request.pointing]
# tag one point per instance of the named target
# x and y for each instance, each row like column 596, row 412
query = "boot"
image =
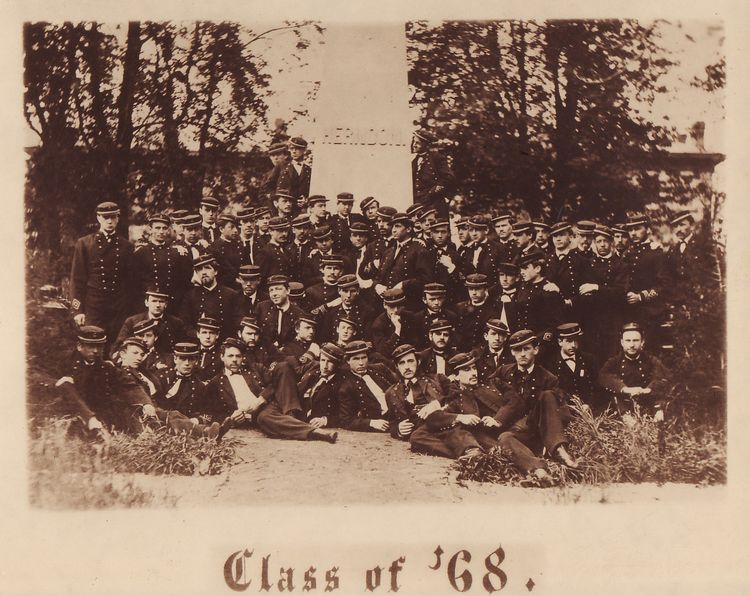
column 319, row 435
column 562, row 455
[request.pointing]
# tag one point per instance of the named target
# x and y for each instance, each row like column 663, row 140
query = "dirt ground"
column 370, row 468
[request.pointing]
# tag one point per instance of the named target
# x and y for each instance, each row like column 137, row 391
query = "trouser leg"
column 447, row 443
column 272, row 422
column 286, row 395
column 518, row 442
column 551, row 422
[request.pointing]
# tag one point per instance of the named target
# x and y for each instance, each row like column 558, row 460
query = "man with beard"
column 250, row 297
column 254, row 352
column 542, row 233
column 276, row 258
column 433, row 360
column 434, row 301
column 493, row 353
column 507, row 248
column 101, row 274
column 276, row 316
column 533, row 417
column 352, row 306
column 161, row 264
column 209, row 210
column 394, row 326
column 363, row 406
column 209, row 299
column 226, row 251
column 634, row 377
column 448, row 266
column 169, row 329
column 474, row 313
column 384, row 239
column 319, row 388
column 620, row 239
column 584, row 237
column 242, row 397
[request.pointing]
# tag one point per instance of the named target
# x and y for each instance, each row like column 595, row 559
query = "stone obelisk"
column 363, row 123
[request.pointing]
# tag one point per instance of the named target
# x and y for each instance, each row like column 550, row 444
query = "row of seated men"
column 504, row 393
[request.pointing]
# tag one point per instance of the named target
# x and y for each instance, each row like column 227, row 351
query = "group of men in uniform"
column 456, row 336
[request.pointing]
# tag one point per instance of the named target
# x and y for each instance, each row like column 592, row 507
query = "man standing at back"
column 432, row 178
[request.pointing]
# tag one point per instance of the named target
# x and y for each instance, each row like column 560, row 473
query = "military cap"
column 191, row 220
column 678, row 217
column 345, row 197
column 342, row 318
column 145, row 325
column 478, row 221
column 386, row 212
column 366, row 202
column 585, row 227
column 277, row 148
column 186, row 349
column 132, row 341
column 393, row 296
column 249, row 272
column 632, row 327
column 159, row 218
column 178, row 214
column 462, row 360
column 400, row 351
column 508, row 268
column 522, row 226
column 521, row 338
column 107, row 208
column 638, row 219
column 476, row 280
column 210, row 202
column 316, row 199
column 619, row 228
column 261, row 211
column 204, row 259
column 208, row 323
column 282, row 194
column 603, row 231
column 440, row 325
column 246, row 213
column 463, row 222
column 356, row 347
column 302, row 220
column 298, row 142
column 424, row 135
column 333, row 260
column 501, row 217
column 251, row 322
column 434, row 288
column 440, row 223
column 403, row 219
column 278, row 223
column 307, row 318
column 414, row 210
column 569, row 330
column 359, row 227
column 332, row 351
column 233, row 342
column 535, row 255
column 91, row 334
column 278, row 280
column 296, row 290
column 347, row 281
column 156, row 293
column 560, row 227
column 542, row 225
column 226, row 218
column 322, row 232
column 497, row 325
column 427, row 212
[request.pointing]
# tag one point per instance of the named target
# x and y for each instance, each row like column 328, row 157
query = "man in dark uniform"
column 276, row 258
column 434, row 359
column 394, row 326
column 434, row 300
column 688, row 261
column 317, row 212
column 508, row 274
column 160, row 264
column 154, row 359
column 508, row 249
column 101, row 274
column 295, row 177
column 634, row 377
column 432, row 178
column 620, row 239
column 278, row 153
column 542, row 232
column 474, row 313
column 276, row 316
column 575, row 370
column 494, row 352
column 362, row 402
column 249, row 245
column 209, row 211
column 427, row 217
column 302, row 348
column 523, row 236
column 540, row 307
column 169, row 328
column 179, row 388
column 369, row 208
column 360, row 260
column 209, row 299
column 319, row 388
column 376, row 248
column 250, row 297
column 533, row 417
column 255, row 352
column 209, row 362
column 325, row 294
column 310, row 268
column 584, row 237
column 448, row 266
column 262, row 223
column 342, row 220
column 352, row 306
column 284, row 205
column 485, row 256
column 226, row 251
column 192, row 236
column 301, row 245
column 565, row 265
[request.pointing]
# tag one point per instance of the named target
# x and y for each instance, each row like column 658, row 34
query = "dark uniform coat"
column 228, row 261
column 167, row 267
column 267, row 315
column 384, row 336
column 432, row 181
column 358, row 406
column 185, row 394
column 219, row 303
column 411, row 267
column 275, row 259
column 471, row 323
column 169, row 330
column 421, row 391
column 645, row 371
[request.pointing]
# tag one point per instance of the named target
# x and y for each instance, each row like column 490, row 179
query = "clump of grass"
column 67, row 472
column 611, row 449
